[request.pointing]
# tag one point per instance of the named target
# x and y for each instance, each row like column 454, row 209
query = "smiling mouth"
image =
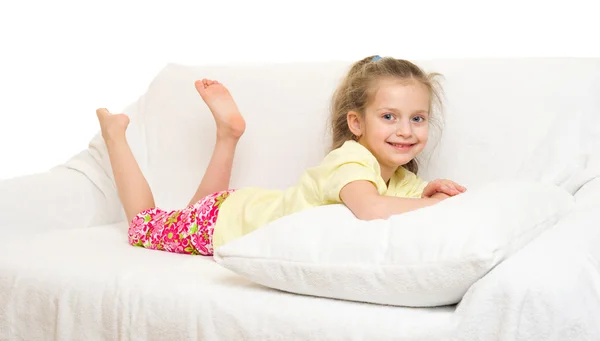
column 401, row 146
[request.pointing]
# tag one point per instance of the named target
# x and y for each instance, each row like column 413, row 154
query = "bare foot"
column 230, row 123
column 113, row 126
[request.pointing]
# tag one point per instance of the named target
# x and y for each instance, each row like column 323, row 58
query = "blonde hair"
column 358, row 87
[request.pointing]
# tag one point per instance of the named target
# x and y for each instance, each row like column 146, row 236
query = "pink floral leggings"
column 188, row 231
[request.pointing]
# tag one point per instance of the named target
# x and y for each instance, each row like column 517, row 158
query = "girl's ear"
column 354, row 123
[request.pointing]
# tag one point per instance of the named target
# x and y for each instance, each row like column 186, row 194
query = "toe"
column 199, row 85
column 102, row 112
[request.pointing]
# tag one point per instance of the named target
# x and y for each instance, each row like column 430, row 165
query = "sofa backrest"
column 503, row 119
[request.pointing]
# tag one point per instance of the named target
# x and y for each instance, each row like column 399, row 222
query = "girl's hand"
column 444, row 186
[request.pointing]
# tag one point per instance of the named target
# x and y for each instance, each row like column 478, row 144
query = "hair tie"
column 376, row 58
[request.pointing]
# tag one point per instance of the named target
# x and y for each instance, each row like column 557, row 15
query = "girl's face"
column 395, row 126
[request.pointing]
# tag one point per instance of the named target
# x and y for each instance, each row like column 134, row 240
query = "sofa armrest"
column 78, row 193
column 549, row 290
column 61, row 198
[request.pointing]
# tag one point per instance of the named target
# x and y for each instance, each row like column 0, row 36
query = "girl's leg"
column 133, row 189
column 230, row 127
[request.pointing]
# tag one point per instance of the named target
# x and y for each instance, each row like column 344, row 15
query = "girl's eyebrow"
column 422, row 111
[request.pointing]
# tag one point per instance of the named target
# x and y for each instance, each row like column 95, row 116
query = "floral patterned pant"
column 188, row 231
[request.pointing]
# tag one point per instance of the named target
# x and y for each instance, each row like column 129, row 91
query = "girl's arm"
column 362, row 198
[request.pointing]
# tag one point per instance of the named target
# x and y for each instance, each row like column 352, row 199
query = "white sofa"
column 67, row 272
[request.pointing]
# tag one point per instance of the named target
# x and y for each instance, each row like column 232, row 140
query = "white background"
column 61, row 59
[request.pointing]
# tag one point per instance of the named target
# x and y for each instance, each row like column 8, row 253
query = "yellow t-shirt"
column 247, row 209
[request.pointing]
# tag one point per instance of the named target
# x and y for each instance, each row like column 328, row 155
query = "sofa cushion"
column 427, row 257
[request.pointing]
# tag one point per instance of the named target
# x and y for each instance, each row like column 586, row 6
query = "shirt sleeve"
column 348, row 164
column 346, row 174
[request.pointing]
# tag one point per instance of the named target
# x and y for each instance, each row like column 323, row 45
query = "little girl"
column 381, row 114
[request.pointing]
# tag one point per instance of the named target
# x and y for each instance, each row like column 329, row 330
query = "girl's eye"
column 388, row 116
column 418, row 119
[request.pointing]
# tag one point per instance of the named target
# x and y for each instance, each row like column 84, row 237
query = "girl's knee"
column 140, row 228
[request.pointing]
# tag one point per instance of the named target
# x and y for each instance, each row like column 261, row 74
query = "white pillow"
column 427, row 257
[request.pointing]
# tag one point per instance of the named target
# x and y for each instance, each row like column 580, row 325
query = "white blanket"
column 70, row 282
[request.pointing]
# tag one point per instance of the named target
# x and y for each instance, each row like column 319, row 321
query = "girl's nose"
column 404, row 129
